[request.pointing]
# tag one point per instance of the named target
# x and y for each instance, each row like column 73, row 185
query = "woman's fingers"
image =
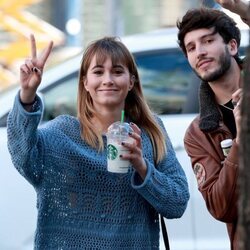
column 41, row 60
column 135, row 128
column 134, row 144
column 29, row 64
column 46, row 52
column 33, row 47
column 25, row 69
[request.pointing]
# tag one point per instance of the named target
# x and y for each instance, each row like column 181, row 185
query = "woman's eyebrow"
column 97, row 66
column 118, row 66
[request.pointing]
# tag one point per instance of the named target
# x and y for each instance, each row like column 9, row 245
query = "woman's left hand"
column 135, row 156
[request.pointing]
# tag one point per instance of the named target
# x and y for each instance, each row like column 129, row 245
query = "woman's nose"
column 108, row 79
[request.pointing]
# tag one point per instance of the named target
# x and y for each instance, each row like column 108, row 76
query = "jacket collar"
column 210, row 115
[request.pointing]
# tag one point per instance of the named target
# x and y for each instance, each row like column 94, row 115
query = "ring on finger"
column 234, row 103
column 36, row 70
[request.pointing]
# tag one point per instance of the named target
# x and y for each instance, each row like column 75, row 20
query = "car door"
column 171, row 89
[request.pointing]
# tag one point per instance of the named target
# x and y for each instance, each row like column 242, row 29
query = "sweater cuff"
column 137, row 182
column 36, row 106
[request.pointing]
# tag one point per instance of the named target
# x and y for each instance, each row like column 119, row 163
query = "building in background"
column 82, row 21
column 117, row 17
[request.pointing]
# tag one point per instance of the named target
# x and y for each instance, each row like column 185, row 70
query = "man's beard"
column 224, row 65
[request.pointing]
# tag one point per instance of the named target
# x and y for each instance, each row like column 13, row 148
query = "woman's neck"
column 104, row 119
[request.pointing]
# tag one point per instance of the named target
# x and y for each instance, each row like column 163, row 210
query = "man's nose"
column 200, row 51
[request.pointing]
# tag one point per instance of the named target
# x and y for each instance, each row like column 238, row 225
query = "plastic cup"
column 226, row 145
column 117, row 133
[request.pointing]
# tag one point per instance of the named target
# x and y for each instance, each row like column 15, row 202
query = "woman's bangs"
column 116, row 56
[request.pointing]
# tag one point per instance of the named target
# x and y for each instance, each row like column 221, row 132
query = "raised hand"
column 240, row 7
column 228, row 4
column 31, row 71
column 237, row 99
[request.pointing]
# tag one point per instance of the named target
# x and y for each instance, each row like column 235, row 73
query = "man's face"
column 207, row 53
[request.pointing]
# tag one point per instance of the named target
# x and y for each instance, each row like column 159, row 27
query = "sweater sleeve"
column 23, row 140
column 165, row 186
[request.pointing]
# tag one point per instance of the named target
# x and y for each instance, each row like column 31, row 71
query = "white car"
column 171, row 90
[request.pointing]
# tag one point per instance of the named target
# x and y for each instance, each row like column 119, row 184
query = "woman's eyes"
column 98, row 72
column 118, row 72
column 115, row 72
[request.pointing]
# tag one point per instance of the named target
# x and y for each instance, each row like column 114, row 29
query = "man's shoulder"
column 193, row 129
column 194, row 124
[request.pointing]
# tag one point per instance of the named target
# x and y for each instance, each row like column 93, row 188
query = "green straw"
column 122, row 116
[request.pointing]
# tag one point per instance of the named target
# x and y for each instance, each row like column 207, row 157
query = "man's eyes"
column 190, row 49
column 210, row 40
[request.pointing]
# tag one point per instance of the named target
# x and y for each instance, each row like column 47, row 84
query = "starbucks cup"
column 117, row 133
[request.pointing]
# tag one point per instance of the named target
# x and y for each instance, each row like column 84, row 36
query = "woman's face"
column 108, row 84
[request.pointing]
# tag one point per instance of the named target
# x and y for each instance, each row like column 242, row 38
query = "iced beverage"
column 117, row 133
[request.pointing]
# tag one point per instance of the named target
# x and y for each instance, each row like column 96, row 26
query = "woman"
column 80, row 204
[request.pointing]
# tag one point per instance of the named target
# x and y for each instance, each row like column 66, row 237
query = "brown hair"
column 136, row 107
column 208, row 18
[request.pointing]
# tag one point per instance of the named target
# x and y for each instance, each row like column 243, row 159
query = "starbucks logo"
column 112, row 152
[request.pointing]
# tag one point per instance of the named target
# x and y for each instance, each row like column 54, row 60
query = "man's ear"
column 233, row 47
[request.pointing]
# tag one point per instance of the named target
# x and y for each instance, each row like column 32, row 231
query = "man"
column 210, row 40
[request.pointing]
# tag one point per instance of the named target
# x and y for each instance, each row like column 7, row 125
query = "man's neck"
column 224, row 87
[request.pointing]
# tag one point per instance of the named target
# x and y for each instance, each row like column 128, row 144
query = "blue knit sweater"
column 80, row 204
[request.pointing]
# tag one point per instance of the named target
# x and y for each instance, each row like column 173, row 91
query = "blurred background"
column 72, row 24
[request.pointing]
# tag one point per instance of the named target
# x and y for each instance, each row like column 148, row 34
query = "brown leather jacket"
column 216, row 174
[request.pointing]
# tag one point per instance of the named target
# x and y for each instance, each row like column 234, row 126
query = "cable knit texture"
column 80, row 204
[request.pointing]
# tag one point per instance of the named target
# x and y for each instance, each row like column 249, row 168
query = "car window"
column 167, row 80
column 169, row 85
column 165, row 77
column 61, row 98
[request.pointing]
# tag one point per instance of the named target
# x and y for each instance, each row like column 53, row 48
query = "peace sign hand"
column 31, row 71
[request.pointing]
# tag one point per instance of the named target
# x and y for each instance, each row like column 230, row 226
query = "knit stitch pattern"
column 80, row 204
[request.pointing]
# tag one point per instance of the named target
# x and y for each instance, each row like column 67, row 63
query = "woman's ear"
column 86, row 85
column 132, row 82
